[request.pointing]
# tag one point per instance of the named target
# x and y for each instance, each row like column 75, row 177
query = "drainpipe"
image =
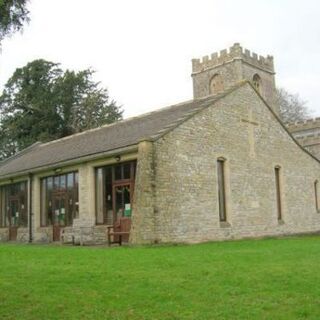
column 30, row 207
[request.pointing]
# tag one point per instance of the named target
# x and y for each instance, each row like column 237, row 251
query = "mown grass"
column 251, row 279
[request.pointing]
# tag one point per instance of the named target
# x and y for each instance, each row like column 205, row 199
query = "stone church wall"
column 307, row 133
column 186, row 197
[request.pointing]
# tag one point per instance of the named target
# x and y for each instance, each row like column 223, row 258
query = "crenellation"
column 307, row 133
column 214, row 56
column 302, row 125
column 262, row 60
column 205, row 59
column 247, row 53
column 234, row 52
column 236, row 49
column 224, row 53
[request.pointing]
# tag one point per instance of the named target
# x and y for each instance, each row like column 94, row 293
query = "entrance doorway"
column 14, row 208
column 60, row 214
column 122, row 200
column 59, row 202
column 14, row 213
column 114, row 195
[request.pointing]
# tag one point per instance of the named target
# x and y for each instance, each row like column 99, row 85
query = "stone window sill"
column 280, row 222
column 225, row 224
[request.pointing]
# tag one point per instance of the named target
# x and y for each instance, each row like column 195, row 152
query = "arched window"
column 316, row 195
column 256, row 80
column 216, row 84
column 221, row 189
column 277, row 171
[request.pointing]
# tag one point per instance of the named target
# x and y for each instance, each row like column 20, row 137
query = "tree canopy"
column 292, row 107
column 13, row 15
column 41, row 102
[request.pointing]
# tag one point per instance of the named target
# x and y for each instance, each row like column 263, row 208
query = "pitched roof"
column 106, row 138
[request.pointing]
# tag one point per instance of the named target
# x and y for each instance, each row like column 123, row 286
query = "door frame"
column 56, row 227
column 120, row 183
column 13, row 229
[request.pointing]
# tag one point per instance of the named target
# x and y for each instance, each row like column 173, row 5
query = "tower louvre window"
column 256, row 80
column 216, row 84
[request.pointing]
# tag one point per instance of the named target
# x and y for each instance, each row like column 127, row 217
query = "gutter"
column 97, row 156
column 30, row 206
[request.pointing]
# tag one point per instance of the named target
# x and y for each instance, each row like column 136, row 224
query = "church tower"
column 222, row 71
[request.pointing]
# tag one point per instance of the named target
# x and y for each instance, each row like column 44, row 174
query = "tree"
column 292, row 107
column 41, row 102
column 13, row 15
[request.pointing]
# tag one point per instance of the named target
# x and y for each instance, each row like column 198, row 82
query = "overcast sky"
column 142, row 49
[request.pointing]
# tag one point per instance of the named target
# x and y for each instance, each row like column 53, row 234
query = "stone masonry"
column 234, row 66
column 307, row 133
column 186, row 203
column 175, row 195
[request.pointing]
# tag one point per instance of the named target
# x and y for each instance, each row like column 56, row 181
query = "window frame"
column 257, row 82
column 316, row 196
column 221, row 186
column 72, row 194
column 277, row 174
column 114, row 182
column 10, row 192
column 217, row 79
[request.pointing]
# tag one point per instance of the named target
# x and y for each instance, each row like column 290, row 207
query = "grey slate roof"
column 106, row 138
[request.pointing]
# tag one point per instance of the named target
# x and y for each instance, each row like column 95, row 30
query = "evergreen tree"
column 41, row 102
column 13, row 15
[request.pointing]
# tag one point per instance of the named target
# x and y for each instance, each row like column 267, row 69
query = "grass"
column 256, row 279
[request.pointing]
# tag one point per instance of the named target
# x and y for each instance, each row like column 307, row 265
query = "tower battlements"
column 306, row 132
column 303, row 125
column 236, row 52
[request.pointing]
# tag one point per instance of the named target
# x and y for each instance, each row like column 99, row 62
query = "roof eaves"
column 73, row 161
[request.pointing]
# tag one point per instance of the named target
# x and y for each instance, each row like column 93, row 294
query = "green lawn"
column 256, row 279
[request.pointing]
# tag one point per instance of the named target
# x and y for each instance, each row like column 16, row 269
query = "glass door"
column 122, row 195
column 59, row 211
column 14, row 214
column 59, row 215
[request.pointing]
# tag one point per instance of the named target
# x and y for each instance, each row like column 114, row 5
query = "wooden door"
column 122, row 201
column 59, row 206
column 13, row 218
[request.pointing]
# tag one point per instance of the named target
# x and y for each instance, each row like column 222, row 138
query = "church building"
column 220, row 166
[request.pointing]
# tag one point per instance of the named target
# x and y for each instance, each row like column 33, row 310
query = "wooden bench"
column 120, row 231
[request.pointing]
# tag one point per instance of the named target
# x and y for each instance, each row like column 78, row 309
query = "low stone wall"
column 78, row 235
column 4, row 234
column 43, row 235
column 22, row 235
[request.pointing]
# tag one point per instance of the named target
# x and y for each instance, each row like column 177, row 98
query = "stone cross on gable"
column 251, row 124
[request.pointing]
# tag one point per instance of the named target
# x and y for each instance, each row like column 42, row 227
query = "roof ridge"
column 141, row 115
column 121, row 121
